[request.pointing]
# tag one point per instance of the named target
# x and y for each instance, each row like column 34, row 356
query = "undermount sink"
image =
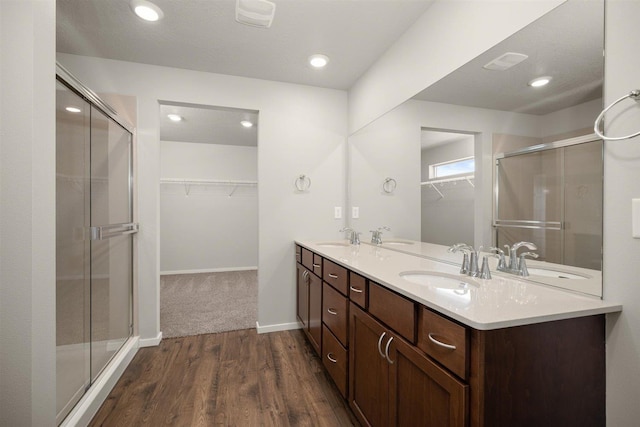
column 397, row 242
column 438, row 280
column 333, row 244
column 534, row 271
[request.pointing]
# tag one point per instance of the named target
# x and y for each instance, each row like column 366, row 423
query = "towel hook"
column 635, row 95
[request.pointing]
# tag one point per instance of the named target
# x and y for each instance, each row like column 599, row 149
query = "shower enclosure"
column 551, row 195
column 94, row 238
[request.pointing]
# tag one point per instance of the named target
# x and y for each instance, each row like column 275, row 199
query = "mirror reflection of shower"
column 447, row 186
column 208, row 219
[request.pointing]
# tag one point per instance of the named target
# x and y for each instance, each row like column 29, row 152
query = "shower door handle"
column 102, row 232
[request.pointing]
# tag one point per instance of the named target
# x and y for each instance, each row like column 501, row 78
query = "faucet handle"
column 384, row 227
column 499, row 253
column 485, row 272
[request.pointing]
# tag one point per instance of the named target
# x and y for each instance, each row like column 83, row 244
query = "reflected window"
column 464, row 166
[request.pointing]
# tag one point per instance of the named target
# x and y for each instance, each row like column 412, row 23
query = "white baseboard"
column 150, row 342
column 277, row 327
column 89, row 404
column 208, row 270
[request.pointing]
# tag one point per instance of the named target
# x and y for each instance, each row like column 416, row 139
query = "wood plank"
column 232, row 378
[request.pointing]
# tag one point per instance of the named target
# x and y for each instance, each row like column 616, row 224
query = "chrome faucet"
column 376, row 235
column 354, row 236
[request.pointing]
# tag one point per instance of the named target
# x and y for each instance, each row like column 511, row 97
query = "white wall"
column 302, row 131
column 208, row 227
column 622, row 183
column 445, row 37
column 27, row 213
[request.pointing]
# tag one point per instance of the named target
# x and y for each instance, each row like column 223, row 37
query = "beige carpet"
column 193, row 304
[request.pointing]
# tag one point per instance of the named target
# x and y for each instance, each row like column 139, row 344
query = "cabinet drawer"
column 316, row 266
column 334, row 358
column 307, row 258
column 358, row 289
column 398, row 312
column 335, row 314
column 445, row 341
column 336, row 276
column 298, row 254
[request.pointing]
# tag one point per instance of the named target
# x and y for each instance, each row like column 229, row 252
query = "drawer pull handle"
column 332, row 311
column 356, row 290
column 333, row 276
column 380, row 343
column 440, row 343
column 316, row 265
column 386, row 350
column 331, row 359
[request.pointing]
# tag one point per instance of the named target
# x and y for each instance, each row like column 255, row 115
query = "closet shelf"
column 208, row 182
column 432, row 183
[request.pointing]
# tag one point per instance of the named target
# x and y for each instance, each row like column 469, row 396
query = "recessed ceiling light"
column 174, row 117
column 246, row 123
column 73, row 109
column 540, row 81
column 146, row 10
column 318, row 60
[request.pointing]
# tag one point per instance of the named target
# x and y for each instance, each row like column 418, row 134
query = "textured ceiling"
column 566, row 44
column 203, row 35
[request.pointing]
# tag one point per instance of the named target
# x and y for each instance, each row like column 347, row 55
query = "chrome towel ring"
column 389, row 185
column 302, row 183
column 635, row 95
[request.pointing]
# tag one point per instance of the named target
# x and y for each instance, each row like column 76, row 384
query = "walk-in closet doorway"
column 208, row 219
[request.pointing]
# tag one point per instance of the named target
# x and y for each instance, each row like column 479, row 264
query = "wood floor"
column 234, row 378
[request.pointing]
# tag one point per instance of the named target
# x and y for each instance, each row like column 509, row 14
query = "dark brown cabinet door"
column 302, row 291
column 315, row 311
column 421, row 393
column 368, row 369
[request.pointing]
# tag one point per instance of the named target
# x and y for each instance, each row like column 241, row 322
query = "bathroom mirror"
column 475, row 114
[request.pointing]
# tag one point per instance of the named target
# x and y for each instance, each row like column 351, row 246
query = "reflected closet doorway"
column 208, row 219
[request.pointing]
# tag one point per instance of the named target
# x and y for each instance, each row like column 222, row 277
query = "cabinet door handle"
column 331, row 359
column 386, row 350
column 356, row 290
column 440, row 343
column 332, row 311
column 380, row 343
column 333, row 276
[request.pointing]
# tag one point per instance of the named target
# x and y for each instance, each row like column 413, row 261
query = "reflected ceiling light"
column 540, row 81
column 174, row 117
column 146, row 10
column 318, row 60
column 73, row 109
column 246, row 123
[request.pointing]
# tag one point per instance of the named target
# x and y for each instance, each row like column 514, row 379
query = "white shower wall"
column 206, row 229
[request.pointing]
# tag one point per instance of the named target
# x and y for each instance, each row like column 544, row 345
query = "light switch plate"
column 337, row 212
column 635, row 218
column 355, row 212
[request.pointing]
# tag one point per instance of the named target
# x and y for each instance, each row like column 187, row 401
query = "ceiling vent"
column 257, row 13
column 506, row 61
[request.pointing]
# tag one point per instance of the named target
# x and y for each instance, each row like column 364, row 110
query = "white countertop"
column 485, row 304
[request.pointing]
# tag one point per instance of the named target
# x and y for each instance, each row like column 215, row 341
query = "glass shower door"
column 111, row 239
column 72, row 249
column 94, row 242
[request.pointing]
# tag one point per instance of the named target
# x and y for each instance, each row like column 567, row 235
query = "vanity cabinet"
column 309, row 297
column 392, row 383
column 400, row 363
